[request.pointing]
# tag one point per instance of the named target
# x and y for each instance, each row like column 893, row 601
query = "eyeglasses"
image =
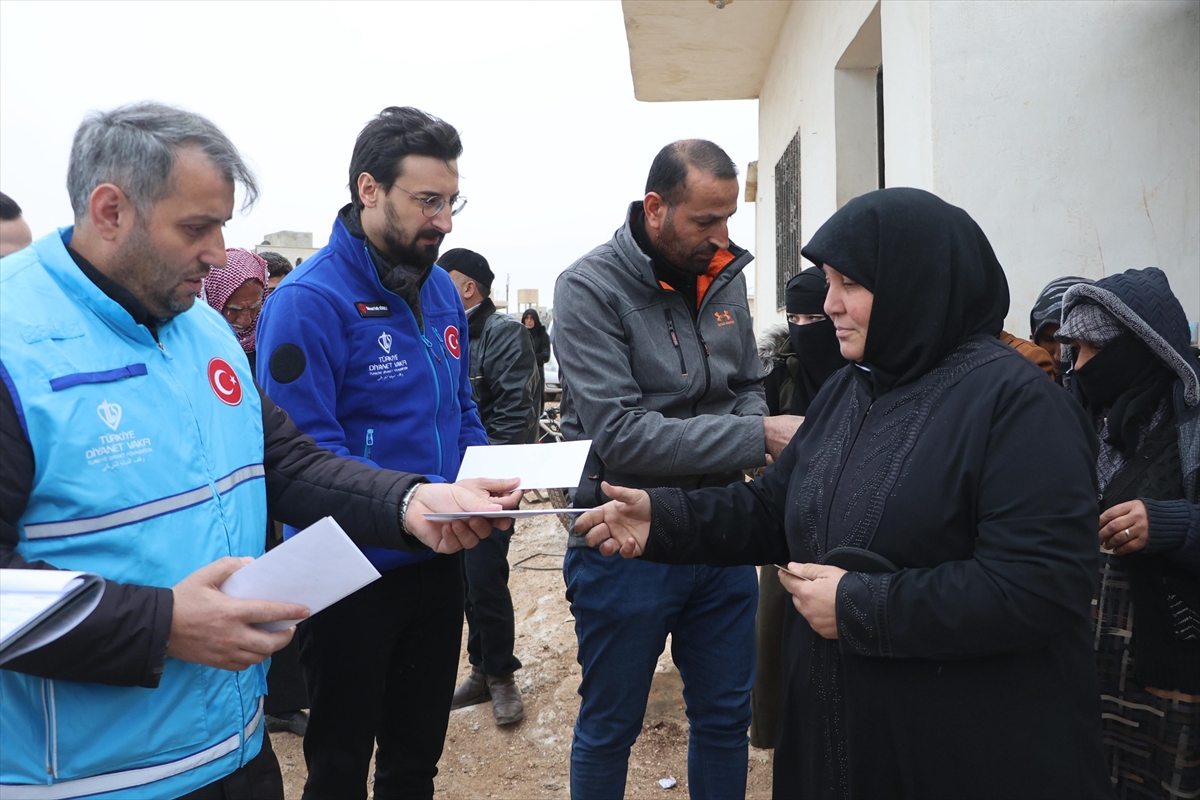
column 432, row 206
column 233, row 312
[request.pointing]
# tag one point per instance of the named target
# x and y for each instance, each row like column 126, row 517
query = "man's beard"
column 409, row 254
column 692, row 261
column 145, row 273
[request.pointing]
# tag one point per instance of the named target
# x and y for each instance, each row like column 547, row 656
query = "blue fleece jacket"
column 345, row 358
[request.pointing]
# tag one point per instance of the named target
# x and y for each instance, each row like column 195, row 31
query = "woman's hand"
column 1125, row 528
column 621, row 526
column 814, row 594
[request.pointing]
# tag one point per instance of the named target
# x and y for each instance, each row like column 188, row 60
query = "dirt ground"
column 532, row 759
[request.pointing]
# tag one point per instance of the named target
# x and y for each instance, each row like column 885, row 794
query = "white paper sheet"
column 515, row 514
column 315, row 568
column 38, row 606
column 539, row 466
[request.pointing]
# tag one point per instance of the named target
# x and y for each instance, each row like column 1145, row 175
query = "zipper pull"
column 671, row 327
column 429, row 344
column 675, row 340
column 370, row 441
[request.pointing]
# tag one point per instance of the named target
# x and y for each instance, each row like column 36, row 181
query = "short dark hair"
column 277, row 263
column 668, row 173
column 393, row 134
column 9, row 210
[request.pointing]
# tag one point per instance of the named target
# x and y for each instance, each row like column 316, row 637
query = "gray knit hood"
column 1142, row 301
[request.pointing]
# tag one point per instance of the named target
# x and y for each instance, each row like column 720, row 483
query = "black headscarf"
column 538, row 327
column 816, row 345
column 935, row 278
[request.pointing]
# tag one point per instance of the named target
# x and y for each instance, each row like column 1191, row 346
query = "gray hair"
column 135, row 146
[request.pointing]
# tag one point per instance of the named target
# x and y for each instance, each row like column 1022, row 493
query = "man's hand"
column 814, row 594
column 213, row 629
column 1125, row 528
column 779, row 432
column 477, row 494
column 621, row 526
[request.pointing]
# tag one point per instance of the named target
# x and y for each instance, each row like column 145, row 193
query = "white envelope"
column 523, row 513
column 315, row 568
column 539, row 466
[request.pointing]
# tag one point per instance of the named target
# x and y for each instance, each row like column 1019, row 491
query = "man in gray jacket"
column 503, row 386
column 659, row 368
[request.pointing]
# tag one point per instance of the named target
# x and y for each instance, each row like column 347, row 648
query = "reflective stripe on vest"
column 115, row 781
column 144, row 511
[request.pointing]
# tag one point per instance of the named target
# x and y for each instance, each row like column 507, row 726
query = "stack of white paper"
column 38, row 606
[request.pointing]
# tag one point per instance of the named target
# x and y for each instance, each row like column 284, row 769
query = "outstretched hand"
column 477, row 494
column 620, row 526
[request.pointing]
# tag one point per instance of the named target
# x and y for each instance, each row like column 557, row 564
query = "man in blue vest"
column 136, row 446
column 365, row 345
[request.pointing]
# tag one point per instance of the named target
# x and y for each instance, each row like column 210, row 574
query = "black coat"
column 504, row 381
column 963, row 666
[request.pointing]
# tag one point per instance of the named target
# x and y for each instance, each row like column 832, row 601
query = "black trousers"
column 380, row 667
column 489, row 609
column 259, row 779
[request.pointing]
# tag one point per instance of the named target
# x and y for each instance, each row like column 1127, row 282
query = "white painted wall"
column 798, row 94
column 1071, row 132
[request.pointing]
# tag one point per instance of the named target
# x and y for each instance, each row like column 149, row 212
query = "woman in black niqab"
column 935, row 278
column 938, row 643
column 814, row 345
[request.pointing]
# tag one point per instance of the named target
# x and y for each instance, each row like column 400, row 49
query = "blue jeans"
column 624, row 610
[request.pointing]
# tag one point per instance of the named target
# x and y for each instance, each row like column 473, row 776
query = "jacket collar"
column 640, row 265
column 52, row 252
column 352, row 224
column 479, row 318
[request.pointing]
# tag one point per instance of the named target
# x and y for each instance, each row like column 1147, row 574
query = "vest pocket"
column 104, row 376
column 103, row 729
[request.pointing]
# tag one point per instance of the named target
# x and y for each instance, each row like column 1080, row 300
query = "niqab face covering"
column 815, row 345
column 1128, row 381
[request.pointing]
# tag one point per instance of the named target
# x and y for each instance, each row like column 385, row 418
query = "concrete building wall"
column 1069, row 130
column 798, row 94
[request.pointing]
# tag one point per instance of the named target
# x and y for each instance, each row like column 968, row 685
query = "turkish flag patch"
column 452, row 343
column 224, row 382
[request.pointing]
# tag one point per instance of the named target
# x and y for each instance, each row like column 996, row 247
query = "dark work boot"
column 507, row 706
column 474, row 690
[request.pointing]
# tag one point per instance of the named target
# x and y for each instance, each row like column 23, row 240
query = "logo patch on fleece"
column 376, row 308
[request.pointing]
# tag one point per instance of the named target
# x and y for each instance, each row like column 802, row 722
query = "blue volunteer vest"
column 148, row 466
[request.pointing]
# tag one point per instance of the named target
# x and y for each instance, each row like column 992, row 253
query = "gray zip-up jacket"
column 667, row 401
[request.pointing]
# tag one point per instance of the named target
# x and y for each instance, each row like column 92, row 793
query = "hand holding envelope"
column 541, row 466
column 446, row 516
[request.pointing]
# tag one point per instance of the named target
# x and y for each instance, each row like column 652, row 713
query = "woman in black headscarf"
column 541, row 349
column 809, row 355
column 938, row 644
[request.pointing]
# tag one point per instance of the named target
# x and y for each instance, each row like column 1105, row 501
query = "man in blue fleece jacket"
column 365, row 346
